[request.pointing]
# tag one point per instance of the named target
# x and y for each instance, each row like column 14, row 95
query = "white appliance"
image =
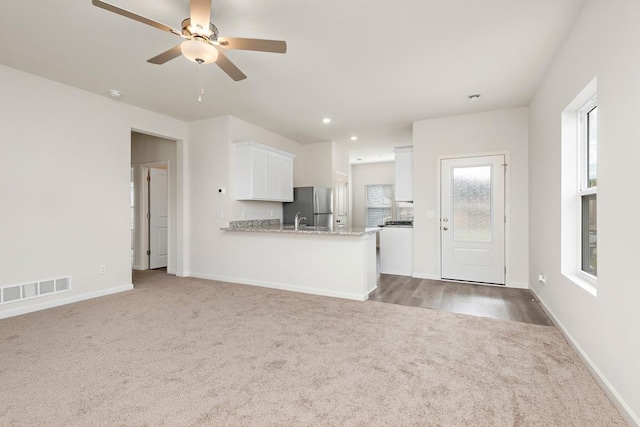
column 396, row 249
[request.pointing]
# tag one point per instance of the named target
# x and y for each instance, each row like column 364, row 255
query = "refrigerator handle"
column 316, row 203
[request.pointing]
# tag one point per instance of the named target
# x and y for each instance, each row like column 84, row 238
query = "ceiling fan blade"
column 200, row 11
column 229, row 67
column 166, row 56
column 274, row 46
column 134, row 16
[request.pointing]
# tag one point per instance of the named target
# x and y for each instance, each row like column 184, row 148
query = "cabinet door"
column 404, row 176
column 273, row 176
column 260, row 178
column 262, row 173
column 286, row 179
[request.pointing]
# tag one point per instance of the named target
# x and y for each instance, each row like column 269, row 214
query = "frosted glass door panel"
column 472, row 203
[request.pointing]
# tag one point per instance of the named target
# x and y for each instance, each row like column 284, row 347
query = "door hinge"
column 148, row 178
column 148, row 215
column 505, row 219
column 148, row 252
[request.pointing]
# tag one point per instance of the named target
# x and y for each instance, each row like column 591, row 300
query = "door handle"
column 445, row 228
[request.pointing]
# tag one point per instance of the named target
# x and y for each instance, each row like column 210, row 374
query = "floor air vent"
column 30, row 290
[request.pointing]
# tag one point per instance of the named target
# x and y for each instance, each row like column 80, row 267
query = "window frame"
column 583, row 190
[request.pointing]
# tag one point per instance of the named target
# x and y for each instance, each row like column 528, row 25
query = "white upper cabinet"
column 263, row 173
column 404, row 173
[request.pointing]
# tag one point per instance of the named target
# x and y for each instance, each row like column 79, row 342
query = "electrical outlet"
column 542, row 278
column 102, row 269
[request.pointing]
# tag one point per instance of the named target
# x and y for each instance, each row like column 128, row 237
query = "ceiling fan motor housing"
column 189, row 31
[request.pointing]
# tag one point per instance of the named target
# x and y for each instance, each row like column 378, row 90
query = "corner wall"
column 210, row 166
column 603, row 43
column 489, row 132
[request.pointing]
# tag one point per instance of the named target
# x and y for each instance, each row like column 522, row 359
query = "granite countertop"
column 338, row 231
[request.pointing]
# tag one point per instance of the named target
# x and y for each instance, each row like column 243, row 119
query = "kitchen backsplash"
column 255, row 223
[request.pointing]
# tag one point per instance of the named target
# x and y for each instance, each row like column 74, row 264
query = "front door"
column 158, row 218
column 472, row 219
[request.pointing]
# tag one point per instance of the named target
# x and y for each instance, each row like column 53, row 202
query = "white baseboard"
column 627, row 413
column 63, row 301
column 518, row 285
column 137, row 267
column 425, row 276
column 282, row 286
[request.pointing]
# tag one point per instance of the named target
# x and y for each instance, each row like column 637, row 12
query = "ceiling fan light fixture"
column 199, row 51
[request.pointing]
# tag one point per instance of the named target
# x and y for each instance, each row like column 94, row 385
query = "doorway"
column 156, row 202
column 472, row 219
column 341, row 201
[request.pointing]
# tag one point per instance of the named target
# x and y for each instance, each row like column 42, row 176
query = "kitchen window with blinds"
column 379, row 204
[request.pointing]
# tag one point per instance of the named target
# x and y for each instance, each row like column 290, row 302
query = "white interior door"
column 158, row 217
column 472, row 220
column 341, row 202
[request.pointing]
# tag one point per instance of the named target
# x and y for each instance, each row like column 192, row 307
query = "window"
column 579, row 190
column 381, row 206
column 588, row 182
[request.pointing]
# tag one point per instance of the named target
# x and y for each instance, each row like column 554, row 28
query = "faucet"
column 297, row 220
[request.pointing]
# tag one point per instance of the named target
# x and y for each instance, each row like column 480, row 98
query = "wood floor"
column 495, row 302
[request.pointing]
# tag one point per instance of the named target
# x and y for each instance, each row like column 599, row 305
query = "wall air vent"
column 13, row 293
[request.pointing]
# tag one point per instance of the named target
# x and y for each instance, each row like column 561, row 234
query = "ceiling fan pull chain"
column 200, row 62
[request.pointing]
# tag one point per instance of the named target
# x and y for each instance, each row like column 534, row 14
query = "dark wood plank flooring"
column 496, row 302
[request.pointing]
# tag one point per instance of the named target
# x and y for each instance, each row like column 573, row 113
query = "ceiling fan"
column 202, row 44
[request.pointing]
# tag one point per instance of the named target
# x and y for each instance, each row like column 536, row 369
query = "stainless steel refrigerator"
column 313, row 203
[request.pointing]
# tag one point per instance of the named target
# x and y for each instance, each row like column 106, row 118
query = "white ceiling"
column 373, row 66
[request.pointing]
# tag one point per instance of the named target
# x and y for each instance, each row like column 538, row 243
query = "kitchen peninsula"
column 337, row 262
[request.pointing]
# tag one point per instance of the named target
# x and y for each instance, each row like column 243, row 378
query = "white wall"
column 316, row 162
column 210, row 166
column 489, row 132
column 64, row 176
column 149, row 149
column 361, row 176
column 604, row 44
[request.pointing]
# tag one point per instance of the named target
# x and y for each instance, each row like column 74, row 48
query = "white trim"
column 518, row 285
column 138, row 267
column 63, row 301
column 625, row 410
column 429, row 276
column 282, row 286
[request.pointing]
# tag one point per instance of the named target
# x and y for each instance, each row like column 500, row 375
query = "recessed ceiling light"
column 474, row 97
column 326, row 120
column 115, row 93
column 354, row 138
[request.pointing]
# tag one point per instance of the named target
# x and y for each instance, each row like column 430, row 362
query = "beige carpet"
column 181, row 352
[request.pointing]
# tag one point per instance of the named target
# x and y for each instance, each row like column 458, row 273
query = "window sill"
column 583, row 280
